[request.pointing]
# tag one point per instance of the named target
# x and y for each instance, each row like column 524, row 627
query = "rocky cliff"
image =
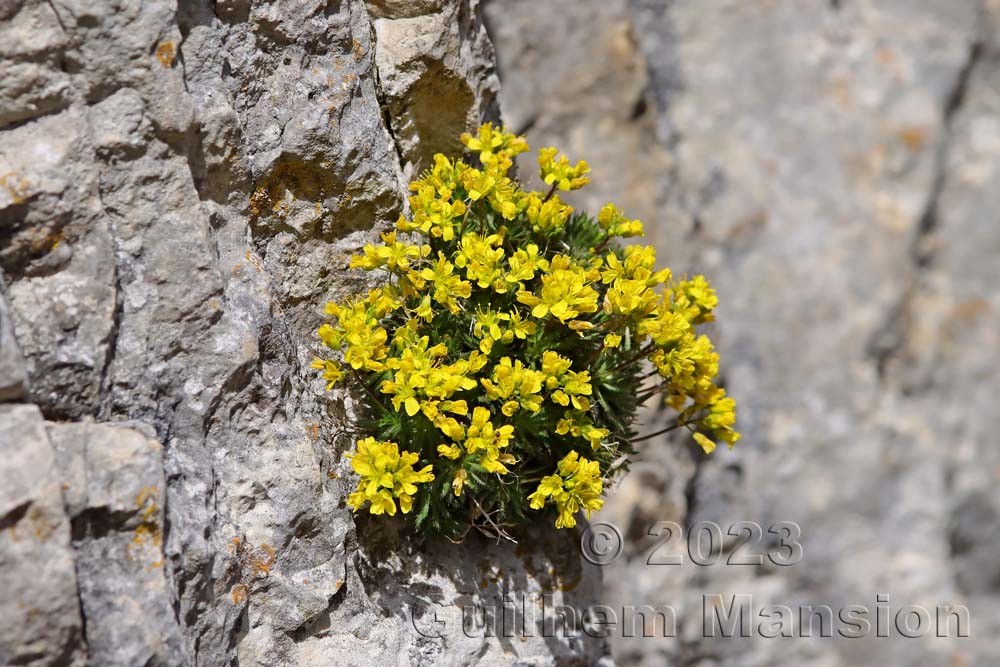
column 181, row 185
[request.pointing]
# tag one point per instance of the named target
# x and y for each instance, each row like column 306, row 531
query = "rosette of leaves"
column 511, row 342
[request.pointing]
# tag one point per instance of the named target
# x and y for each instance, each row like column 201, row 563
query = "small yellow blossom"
column 481, row 258
column 449, row 451
column 559, row 172
column 574, row 388
column 554, row 366
column 331, row 371
column 458, row 481
column 705, row 442
column 547, row 217
column 490, row 140
column 516, row 385
column 524, row 263
column 483, row 436
column 614, row 223
column 565, row 293
column 478, row 184
column 393, row 254
column 576, row 485
column 448, row 288
column 629, row 297
column 577, row 425
column 697, row 299
column 387, row 475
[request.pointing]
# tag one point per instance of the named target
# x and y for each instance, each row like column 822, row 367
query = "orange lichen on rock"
column 263, row 560
column 148, row 532
column 166, row 52
column 240, row 593
column 15, row 186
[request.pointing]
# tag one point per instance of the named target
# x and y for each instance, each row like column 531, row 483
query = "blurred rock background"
column 833, row 167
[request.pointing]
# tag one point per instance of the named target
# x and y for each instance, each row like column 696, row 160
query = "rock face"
column 181, row 185
column 832, row 168
column 36, row 559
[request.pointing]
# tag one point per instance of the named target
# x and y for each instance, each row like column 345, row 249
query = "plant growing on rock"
column 506, row 355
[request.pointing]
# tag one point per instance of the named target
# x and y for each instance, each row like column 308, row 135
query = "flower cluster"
column 577, row 485
column 386, row 475
column 510, row 345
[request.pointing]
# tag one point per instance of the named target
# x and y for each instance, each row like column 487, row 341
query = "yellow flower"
column 628, row 297
column 478, row 184
column 565, row 292
column 696, row 298
column 480, row 257
column 511, row 380
column 559, row 172
column 689, row 366
column 425, row 311
column 554, row 366
column 331, row 371
column 447, row 286
column 443, row 177
column 518, row 327
column 577, row 425
column 331, row 337
column 490, row 140
column 639, row 264
column 523, row 264
column 458, row 481
column 483, row 436
column 366, row 348
column 404, row 389
column 574, row 387
column 721, row 417
column 449, row 451
column 386, row 475
column 576, row 485
column 614, row 223
column 489, row 328
column 546, row 217
column 705, row 443
column 358, row 328
column 506, row 198
column 450, row 427
column 433, row 213
column 392, row 254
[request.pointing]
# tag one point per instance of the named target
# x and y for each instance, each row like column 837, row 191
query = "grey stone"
column 831, row 168
column 39, row 605
column 181, row 185
column 437, row 78
column 114, row 493
column 13, row 375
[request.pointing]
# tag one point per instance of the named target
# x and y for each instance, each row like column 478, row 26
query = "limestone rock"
column 114, row 492
column 436, row 74
column 36, row 561
column 13, row 375
column 181, row 185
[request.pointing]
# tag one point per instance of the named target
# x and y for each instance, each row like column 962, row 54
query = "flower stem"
column 648, row 436
column 371, row 394
column 642, row 353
